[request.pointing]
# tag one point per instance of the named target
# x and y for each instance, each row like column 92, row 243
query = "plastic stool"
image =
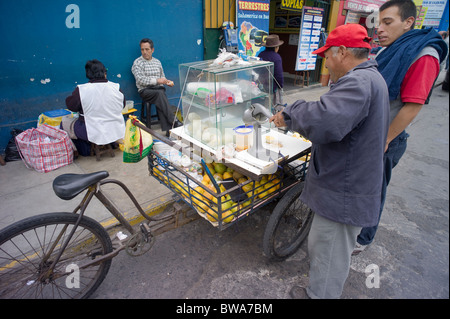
column 146, row 114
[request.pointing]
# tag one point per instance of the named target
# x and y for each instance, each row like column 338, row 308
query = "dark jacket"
column 272, row 56
column 395, row 60
column 348, row 129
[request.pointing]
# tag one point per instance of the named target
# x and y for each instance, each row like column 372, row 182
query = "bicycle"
column 67, row 255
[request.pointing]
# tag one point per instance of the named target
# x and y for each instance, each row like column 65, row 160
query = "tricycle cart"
column 217, row 97
column 223, row 201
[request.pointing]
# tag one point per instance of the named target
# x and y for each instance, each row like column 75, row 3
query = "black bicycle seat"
column 67, row 186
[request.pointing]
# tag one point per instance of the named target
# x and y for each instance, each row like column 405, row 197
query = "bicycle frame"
column 162, row 224
column 81, row 207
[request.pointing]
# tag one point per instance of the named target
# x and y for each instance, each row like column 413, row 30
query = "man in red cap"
column 348, row 129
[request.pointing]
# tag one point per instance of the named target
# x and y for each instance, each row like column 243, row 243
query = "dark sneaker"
column 358, row 249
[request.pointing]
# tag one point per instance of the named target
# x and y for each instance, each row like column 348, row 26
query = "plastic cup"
column 244, row 137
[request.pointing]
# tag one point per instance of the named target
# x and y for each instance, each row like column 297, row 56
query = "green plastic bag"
column 137, row 143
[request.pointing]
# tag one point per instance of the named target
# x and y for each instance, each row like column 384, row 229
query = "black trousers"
column 158, row 97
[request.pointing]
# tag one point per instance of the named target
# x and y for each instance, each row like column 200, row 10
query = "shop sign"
column 294, row 5
column 253, row 6
column 429, row 12
column 309, row 38
column 363, row 5
column 252, row 20
column 435, row 8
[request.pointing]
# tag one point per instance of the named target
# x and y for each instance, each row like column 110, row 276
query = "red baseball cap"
column 349, row 35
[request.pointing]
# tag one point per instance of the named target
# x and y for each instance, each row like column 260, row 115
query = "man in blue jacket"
column 348, row 129
column 409, row 62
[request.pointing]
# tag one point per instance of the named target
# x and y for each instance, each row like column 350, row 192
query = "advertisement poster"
column 309, row 38
column 253, row 25
column 420, row 18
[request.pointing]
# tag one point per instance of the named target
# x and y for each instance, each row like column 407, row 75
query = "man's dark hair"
column 95, row 70
column 147, row 40
column 360, row 53
column 406, row 8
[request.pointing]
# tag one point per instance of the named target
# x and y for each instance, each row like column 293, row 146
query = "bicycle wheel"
column 29, row 247
column 288, row 225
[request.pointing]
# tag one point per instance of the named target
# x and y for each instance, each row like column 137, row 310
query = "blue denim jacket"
column 348, row 129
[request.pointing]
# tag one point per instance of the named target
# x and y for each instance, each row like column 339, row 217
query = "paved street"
column 411, row 249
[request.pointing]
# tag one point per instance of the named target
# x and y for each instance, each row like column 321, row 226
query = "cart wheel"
column 288, row 225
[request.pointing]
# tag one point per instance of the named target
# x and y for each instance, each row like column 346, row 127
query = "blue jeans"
column 392, row 156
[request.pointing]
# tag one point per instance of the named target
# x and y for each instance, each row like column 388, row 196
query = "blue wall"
column 44, row 50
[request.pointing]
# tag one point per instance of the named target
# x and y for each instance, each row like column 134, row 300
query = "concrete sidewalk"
column 25, row 192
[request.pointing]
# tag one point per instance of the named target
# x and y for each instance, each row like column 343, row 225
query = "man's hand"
column 401, row 121
column 164, row 81
column 278, row 120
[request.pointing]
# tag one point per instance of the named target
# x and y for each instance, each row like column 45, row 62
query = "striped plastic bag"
column 45, row 148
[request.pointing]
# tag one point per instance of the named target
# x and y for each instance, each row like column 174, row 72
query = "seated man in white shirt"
column 150, row 81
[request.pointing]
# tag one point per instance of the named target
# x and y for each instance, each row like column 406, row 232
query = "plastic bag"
column 137, row 143
column 11, row 151
column 228, row 59
column 54, row 118
column 45, row 148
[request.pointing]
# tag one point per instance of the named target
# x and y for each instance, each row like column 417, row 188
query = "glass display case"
column 214, row 98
